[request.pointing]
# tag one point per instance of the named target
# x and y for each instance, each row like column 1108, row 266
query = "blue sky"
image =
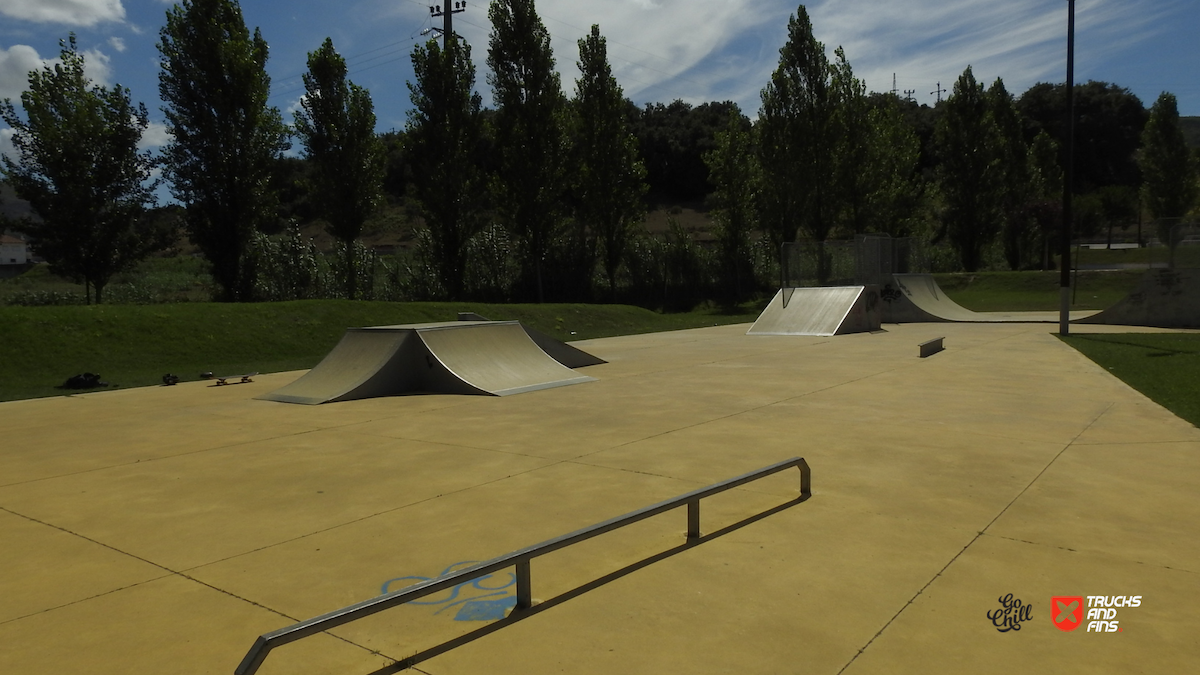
column 661, row 50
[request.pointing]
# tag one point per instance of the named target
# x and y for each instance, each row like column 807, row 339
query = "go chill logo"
column 1067, row 612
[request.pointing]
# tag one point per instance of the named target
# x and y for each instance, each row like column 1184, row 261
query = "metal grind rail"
column 519, row 559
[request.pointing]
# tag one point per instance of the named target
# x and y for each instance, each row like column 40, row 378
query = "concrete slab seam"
column 1094, row 554
column 170, row 572
column 973, row 540
column 157, row 459
column 359, row 520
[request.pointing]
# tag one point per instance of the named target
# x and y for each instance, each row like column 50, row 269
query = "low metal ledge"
column 519, row 559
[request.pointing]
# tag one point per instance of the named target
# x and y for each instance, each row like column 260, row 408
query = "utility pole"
column 939, row 91
column 448, row 23
column 893, row 84
column 1064, row 284
column 908, row 94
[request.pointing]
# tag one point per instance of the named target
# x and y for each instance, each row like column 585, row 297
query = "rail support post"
column 693, row 508
column 524, row 586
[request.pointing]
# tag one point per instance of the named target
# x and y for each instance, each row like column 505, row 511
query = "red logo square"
column 1067, row 611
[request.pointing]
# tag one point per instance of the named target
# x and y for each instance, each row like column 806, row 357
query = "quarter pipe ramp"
column 917, row 298
column 820, row 311
column 457, row 357
column 1163, row 298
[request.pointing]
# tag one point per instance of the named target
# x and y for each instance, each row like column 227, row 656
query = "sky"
column 660, row 50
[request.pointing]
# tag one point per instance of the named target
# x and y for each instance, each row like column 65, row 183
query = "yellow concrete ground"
column 160, row 530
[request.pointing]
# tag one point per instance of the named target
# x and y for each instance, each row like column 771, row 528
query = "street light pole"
column 1064, row 318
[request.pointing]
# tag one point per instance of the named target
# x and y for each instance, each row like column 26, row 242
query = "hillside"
column 1191, row 130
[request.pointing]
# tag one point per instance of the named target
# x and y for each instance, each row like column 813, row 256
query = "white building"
column 13, row 251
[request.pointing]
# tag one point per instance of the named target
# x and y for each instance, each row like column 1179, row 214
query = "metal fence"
column 868, row 259
column 1168, row 243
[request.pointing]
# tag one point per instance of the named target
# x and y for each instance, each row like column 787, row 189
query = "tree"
column 970, row 173
column 1108, row 128
column 852, row 125
column 1014, row 173
column 336, row 124
column 893, row 161
column 1168, row 167
column 442, row 144
column 79, row 168
column 530, row 126
column 225, row 139
column 733, row 167
column 1046, row 186
column 611, row 182
column 798, row 141
column 673, row 139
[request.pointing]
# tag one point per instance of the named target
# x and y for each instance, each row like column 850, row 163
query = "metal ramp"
column 457, row 357
column 820, row 311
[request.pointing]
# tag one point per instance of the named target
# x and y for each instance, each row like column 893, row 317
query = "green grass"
column 1163, row 366
column 135, row 345
column 1185, row 255
column 1036, row 291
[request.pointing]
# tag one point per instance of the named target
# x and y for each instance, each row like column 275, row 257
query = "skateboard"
column 241, row 379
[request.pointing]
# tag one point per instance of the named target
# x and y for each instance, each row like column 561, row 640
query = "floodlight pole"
column 1064, row 312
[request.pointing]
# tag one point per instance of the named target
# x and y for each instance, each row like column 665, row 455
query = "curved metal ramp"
column 456, row 357
column 1163, row 298
column 824, row 311
column 566, row 354
column 917, row 298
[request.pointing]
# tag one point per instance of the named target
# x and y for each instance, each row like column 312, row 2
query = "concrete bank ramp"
column 834, row 310
column 568, row 355
column 917, row 298
column 1163, row 298
column 454, row 357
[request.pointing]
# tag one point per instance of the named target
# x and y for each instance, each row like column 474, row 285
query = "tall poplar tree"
column 970, row 172
column 336, row 124
column 1012, row 155
column 442, row 145
column 734, row 172
column 611, row 181
column 893, row 184
column 225, row 139
column 79, row 167
column 1169, row 187
column 798, row 142
column 852, row 156
column 530, row 124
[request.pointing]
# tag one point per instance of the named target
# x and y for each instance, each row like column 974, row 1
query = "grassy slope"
column 135, row 345
column 1163, row 366
column 1035, row 291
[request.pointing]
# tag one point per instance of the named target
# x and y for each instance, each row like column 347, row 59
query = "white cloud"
column 15, row 64
column 156, row 136
column 70, row 12
column 293, row 108
column 6, row 144
column 18, row 61
column 929, row 41
column 96, row 66
column 701, row 50
column 117, row 43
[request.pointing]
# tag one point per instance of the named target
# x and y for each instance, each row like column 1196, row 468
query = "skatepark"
column 162, row 530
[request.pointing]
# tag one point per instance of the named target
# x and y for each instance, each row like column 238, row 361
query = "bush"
column 26, row 298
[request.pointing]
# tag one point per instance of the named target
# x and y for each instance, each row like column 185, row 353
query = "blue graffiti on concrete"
column 473, row 606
